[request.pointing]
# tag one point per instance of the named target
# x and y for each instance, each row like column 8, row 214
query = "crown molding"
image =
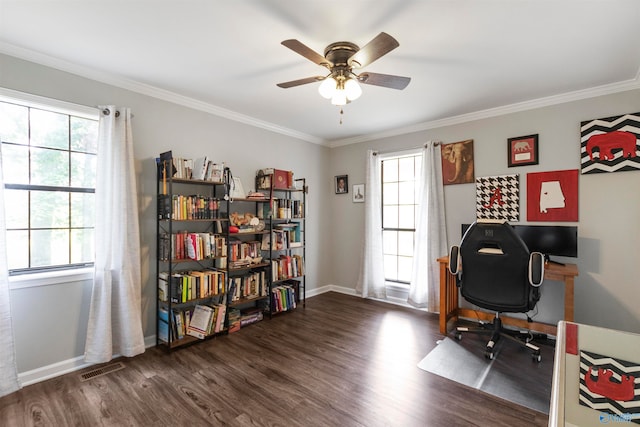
column 498, row 111
column 149, row 90
column 185, row 101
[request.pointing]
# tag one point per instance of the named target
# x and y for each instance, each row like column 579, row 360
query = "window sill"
column 50, row 278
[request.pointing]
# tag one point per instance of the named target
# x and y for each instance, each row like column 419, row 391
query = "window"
column 49, row 163
column 400, row 174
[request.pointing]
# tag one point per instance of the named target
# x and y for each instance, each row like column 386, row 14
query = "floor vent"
column 98, row 372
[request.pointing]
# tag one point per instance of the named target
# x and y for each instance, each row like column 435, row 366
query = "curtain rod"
column 436, row 143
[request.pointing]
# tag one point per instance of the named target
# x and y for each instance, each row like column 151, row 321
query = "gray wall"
column 50, row 321
column 609, row 204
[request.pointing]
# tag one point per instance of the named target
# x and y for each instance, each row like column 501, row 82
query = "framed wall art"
column 358, row 193
column 342, row 184
column 611, row 144
column 498, row 197
column 523, row 150
column 457, row 163
column 552, row 196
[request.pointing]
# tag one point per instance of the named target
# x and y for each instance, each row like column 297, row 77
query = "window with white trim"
column 400, row 175
column 49, row 164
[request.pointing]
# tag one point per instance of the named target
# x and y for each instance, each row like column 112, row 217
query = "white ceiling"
column 465, row 57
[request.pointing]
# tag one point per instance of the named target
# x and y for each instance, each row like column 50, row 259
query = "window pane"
column 49, row 247
column 405, row 243
column 17, row 249
column 16, row 208
column 418, row 166
column 405, row 214
column 406, row 169
column 49, row 167
column 390, row 170
column 49, row 209
column 390, row 242
column 405, row 267
column 49, row 129
column 82, row 210
column 83, row 170
column 82, row 249
column 15, row 164
column 84, row 135
column 390, row 217
column 390, row 193
column 391, row 267
column 406, row 193
column 14, row 123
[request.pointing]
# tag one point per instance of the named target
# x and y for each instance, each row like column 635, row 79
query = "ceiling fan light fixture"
column 339, row 97
column 352, row 89
column 328, row 87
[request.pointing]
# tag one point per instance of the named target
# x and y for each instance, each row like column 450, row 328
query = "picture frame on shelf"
column 522, row 150
column 358, row 193
column 342, row 184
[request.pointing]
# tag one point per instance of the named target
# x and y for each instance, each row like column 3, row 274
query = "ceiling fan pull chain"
column 341, row 114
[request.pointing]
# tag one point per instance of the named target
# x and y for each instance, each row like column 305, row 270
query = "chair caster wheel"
column 458, row 336
column 537, row 357
column 489, row 355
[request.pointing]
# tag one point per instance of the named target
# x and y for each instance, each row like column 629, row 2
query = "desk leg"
column 443, row 298
column 568, row 298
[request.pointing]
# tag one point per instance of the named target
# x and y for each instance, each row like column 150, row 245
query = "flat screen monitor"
column 551, row 240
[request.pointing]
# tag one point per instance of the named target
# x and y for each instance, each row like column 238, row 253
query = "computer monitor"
column 551, row 240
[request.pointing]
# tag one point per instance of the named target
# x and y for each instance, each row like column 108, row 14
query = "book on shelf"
column 200, row 321
column 200, row 168
column 220, row 315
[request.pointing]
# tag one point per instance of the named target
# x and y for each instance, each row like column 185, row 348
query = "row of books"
column 202, row 169
column 281, row 209
column 287, row 267
column 253, row 285
column 196, row 246
column 283, row 298
column 241, row 253
column 180, row 207
column 199, row 321
column 206, row 320
column 190, row 285
column 287, row 236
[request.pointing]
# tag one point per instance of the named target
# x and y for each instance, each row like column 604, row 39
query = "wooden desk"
column 449, row 298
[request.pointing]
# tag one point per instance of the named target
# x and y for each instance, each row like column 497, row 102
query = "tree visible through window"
column 49, row 164
column 399, row 210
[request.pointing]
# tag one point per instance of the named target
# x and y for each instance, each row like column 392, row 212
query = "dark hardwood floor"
column 342, row 361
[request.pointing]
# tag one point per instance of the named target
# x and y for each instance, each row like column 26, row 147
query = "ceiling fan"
column 343, row 60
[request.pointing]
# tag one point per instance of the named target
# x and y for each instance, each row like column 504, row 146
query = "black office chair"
column 495, row 271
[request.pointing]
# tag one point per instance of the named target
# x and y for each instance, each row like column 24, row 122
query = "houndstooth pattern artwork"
column 498, row 197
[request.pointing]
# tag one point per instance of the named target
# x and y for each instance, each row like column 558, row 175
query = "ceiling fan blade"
column 299, row 82
column 385, row 80
column 307, row 52
column 381, row 44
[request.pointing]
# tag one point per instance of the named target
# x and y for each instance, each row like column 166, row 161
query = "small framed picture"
column 342, row 184
column 358, row 193
column 523, row 150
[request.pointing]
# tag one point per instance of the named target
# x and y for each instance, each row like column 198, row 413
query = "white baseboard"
column 64, row 367
column 77, row 363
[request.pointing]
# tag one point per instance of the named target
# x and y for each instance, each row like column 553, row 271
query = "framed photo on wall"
column 342, row 184
column 523, row 150
column 358, row 193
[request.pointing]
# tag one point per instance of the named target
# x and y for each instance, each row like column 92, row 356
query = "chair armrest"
column 454, row 259
column 536, row 268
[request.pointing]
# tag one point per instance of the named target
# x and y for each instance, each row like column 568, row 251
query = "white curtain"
column 115, row 317
column 371, row 281
column 431, row 233
column 8, row 366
